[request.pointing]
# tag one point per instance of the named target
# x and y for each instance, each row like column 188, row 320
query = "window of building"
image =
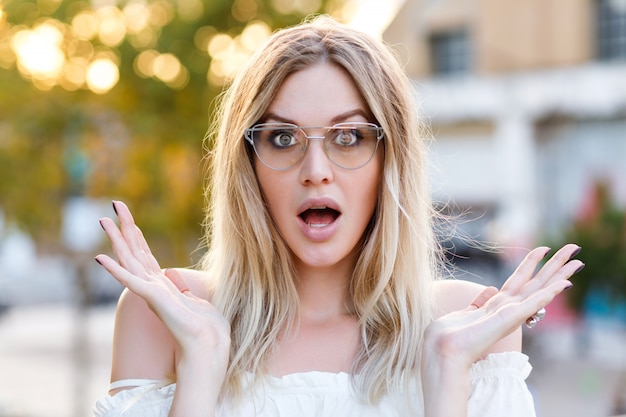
column 611, row 23
column 450, row 52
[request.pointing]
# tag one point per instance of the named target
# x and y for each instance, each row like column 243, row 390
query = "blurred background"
column 111, row 99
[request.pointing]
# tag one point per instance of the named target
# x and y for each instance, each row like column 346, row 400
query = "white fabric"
column 497, row 389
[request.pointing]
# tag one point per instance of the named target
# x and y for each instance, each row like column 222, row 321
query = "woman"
column 318, row 294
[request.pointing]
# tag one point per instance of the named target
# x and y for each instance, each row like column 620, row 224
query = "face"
column 320, row 209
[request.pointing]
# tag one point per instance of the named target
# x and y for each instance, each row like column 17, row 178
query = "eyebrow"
column 337, row 119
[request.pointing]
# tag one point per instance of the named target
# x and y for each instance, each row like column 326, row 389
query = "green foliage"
column 141, row 142
column 601, row 232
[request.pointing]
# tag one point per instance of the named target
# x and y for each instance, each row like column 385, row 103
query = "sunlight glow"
column 112, row 25
column 85, row 25
column 70, row 54
column 296, row 6
column 190, row 10
column 231, row 54
column 137, row 16
column 373, row 16
column 144, row 63
column 244, row 10
column 38, row 51
column 102, row 75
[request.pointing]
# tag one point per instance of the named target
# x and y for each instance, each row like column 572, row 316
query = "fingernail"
column 101, row 225
column 114, row 208
column 547, row 252
column 570, row 285
column 576, row 252
column 580, row 268
column 97, row 260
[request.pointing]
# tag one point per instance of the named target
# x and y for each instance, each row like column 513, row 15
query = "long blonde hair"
column 391, row 284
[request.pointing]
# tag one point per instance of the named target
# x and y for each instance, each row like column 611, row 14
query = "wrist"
column 445, row 377
column 199, row 381
column 446, row 387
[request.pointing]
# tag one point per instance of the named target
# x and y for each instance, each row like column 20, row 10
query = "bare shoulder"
column 143, row 348
column 452, row 295
column 199, row 282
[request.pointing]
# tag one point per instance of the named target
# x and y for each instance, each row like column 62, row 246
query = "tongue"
column 319, row 216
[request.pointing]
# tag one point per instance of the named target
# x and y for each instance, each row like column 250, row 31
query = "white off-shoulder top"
column 498, row 388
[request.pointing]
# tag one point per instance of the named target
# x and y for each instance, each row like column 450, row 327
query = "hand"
column 195, row 324
column 455, row 341
column 461, row 338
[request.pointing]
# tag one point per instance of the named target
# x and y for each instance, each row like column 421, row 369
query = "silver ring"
column 535, row 318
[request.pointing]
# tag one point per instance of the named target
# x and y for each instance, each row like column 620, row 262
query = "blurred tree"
column 111, row 99
column 601, row 231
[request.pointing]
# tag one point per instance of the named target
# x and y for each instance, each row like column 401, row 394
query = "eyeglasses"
column 280, row 146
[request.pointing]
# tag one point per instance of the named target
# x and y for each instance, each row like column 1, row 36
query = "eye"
column 347, row 137
column 283, row 138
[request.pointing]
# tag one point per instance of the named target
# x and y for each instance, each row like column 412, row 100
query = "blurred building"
column 527, row 102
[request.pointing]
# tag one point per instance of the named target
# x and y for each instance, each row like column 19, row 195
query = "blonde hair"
column 391, row 283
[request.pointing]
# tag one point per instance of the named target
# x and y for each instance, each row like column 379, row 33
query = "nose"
column 316, row 167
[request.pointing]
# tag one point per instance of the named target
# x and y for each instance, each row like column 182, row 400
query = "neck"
column 324, row 292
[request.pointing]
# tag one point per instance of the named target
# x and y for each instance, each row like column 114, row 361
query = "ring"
column 535, row 318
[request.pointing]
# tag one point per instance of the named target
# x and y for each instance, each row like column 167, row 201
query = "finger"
column 539, row 299
column 525, row 271
column 129, row 280
column 484, row 296
column 124, row 255
column 134, row 238
column 177, row 279
column 145, row 252
column 559, row 267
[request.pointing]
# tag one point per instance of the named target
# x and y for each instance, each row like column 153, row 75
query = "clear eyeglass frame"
column 351, row 157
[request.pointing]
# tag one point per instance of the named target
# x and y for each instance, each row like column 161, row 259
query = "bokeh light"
column 39, row 53
column 137, row 16
column 102, row 75
column 85, row 25
column 229, row 55
column 296, row 6
column 64, row 54
column 244, row 10
column 111, row 25
column 190, row 10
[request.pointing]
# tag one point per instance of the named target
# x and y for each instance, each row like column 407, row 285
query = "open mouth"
column 319, row 216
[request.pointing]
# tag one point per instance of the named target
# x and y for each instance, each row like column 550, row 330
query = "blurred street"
column 54, row 362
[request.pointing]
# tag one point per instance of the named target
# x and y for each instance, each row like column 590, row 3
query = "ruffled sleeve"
column 498, row 386
column 150, row 399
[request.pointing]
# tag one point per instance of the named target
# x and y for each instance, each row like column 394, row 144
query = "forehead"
column 321, row 94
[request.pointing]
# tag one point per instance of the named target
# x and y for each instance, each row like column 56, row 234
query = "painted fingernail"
column 580, row 268
column 570, row 285
column 114, row 208
column 97, row 260
column 101, row 225
column 576, row 252
column 547, row 252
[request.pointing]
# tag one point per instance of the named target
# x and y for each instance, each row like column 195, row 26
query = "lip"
column 318, row 234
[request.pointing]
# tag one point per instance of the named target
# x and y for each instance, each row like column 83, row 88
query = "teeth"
column 318, row 208
column 317, row 225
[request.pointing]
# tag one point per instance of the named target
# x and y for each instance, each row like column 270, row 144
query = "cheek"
column 366, row 190
column 272, row 190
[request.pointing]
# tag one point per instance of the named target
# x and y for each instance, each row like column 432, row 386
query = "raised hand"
column 453, row 342
column 464, row 336
column 200, row 331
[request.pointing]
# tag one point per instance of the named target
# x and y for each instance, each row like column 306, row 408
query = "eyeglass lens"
column 281, row 146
